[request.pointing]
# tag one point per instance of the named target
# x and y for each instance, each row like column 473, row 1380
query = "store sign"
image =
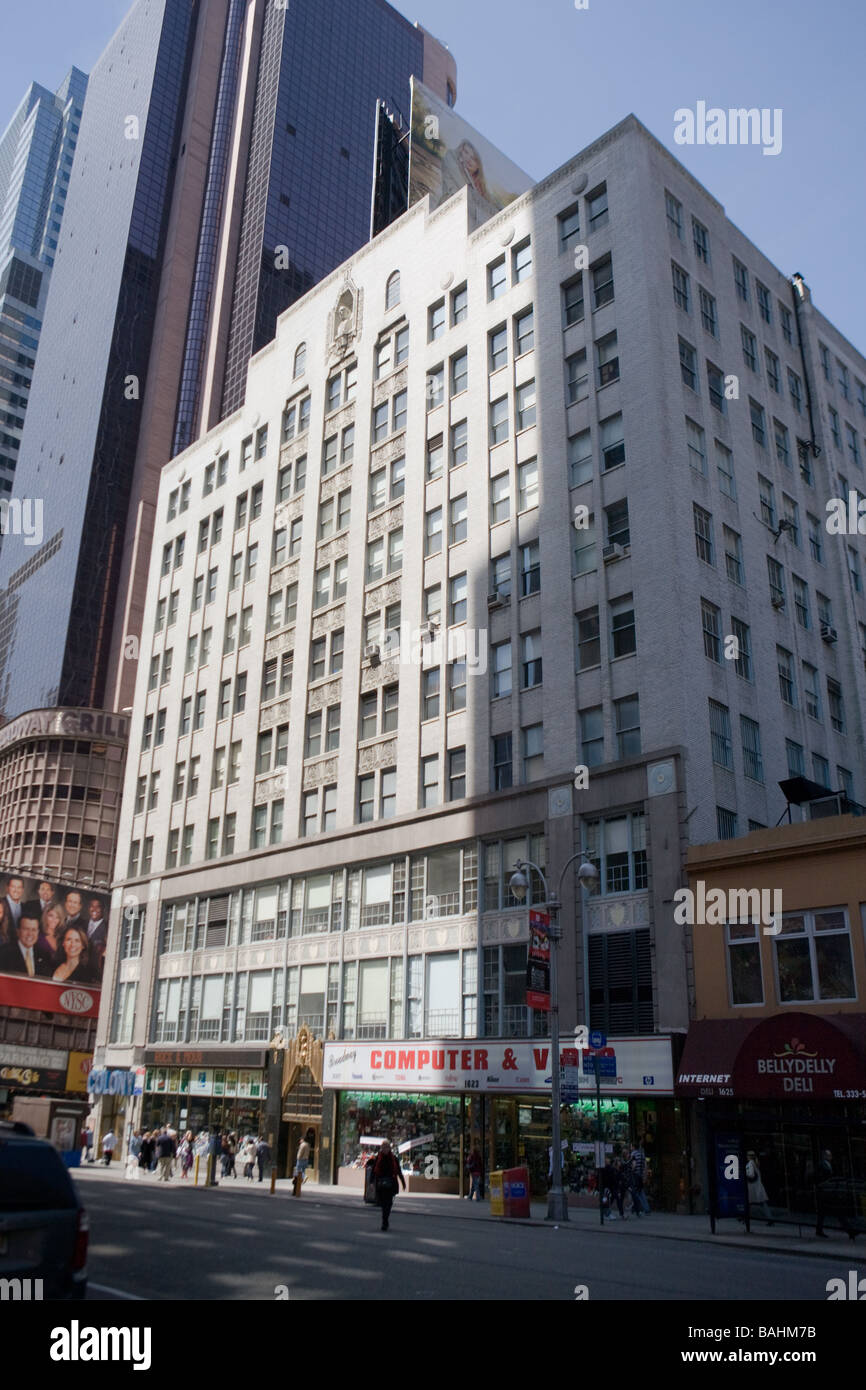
column 46, row 996
column 103, row 1082
column 68, row 723
column 78, row 1071
column 33, row 1078
column 538, row 961
column 797, row 1055
column 486, row 1065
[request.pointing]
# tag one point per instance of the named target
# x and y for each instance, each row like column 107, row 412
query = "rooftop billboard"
column 53, row 938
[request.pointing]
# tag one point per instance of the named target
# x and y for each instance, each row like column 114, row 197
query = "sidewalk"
column 791, row 1240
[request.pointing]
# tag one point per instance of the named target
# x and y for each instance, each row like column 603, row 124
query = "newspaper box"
column 509, row 1192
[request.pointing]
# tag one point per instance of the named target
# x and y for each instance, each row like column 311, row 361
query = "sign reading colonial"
column 483, row 1064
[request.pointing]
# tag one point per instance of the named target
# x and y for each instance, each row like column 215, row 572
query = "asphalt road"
column 167, row 1243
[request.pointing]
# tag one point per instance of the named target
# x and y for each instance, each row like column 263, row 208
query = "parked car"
column 43, row 1225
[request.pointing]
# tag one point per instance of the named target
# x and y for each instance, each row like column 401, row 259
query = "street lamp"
column 557, row 1204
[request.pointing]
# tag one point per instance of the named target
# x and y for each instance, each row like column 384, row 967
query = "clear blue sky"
column 542, row 79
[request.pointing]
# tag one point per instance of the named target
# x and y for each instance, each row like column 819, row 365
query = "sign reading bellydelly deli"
column 487, row 1064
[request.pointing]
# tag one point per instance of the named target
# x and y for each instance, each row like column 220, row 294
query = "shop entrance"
column 296, row 1130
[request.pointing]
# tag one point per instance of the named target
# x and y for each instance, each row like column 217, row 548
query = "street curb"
column 833, row 1248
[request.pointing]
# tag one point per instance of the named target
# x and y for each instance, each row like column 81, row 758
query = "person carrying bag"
column 386, row 1174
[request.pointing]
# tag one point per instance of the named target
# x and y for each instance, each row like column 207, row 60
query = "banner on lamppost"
column 538, row 961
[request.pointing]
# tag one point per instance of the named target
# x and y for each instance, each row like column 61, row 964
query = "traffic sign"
column 597, row 1039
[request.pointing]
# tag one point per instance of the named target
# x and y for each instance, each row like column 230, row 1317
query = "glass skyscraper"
column 226, row 163
column 36, row 153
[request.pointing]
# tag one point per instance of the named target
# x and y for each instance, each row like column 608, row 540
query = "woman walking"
column 386, row 1173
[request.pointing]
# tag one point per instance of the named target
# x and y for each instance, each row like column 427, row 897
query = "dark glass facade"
column 311, row 157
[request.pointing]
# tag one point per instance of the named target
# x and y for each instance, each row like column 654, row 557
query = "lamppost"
column 557, row 1204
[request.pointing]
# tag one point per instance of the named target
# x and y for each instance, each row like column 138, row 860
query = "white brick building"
column 318, row 827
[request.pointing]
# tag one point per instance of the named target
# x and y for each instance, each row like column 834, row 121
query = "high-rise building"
column 36, row 153
column 225, row 164
column 516, row 550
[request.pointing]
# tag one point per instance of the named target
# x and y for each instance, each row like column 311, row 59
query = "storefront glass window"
column 418, row 1127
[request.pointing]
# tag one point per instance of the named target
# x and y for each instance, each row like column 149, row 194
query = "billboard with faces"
column 53, row 938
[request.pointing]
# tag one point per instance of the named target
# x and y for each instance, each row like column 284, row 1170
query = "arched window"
column 392, row 291
column 300, row 360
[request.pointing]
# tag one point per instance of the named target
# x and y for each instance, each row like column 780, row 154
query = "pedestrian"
column 637, row 1168
column 87, row 1144
column 263, row 1155
column 249, row 1158
column 386, row 1173
column 184, row 1153
column 607, row 1190
column 214, row 1149
column 132, row 1157
column 475, row 1169
column 302, row 1161
column 145, row 1157
column 619, row 1186
column 109, row 1143
column 757, row 1192
column 166, row 1150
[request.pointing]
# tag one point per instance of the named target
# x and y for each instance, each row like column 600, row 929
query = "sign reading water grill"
column 487, row 1064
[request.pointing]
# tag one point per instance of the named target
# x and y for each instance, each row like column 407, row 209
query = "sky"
column 541, row 79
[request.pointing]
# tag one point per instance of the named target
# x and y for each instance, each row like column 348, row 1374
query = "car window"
column 33, row 1178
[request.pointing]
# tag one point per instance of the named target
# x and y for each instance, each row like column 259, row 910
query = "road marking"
column 118, row 1293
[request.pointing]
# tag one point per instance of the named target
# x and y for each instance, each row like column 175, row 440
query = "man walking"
column 637, row 1164
column 215, row 1148
column 87, row 1144
column 263, row 1155
column 165, row 1151
column 386, row 1173
column 108, row 1146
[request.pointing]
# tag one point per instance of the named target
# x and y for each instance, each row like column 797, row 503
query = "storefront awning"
column 783, row 1057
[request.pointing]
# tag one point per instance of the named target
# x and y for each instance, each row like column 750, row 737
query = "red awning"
column 784, row 1057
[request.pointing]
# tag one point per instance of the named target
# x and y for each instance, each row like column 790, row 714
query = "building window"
column 533, row 752
column 601, row 275
column 531, row 661
column 607, row 359
column 709, row 315
column 502, row 762
column 776, row 577
column 695, row 440
column 744, row 963
column 773, row 371
column 720, row 736
column 521, row 262
column 726, row 823
column 530, row 569
column 497, row 279
column 711, row 624
column 703, row 522
column 750, row 348
column 680, row 287
column 527, row 485
column 526, row 408
column 524, row 332
column 741, row 280
column 456, row 773
column 458, row 520
column 430, row 681
column 433, row 532
column 836, row 705
column 456, row 686
column 674, row 210
column 701, row 241
column 592, row 736
column 430, row 781
column 584, row 548
column 622, row 627
column 459, row 304
column 813, row 957
column 580, row 456
column 459, row 373
column 499, row 420
column 569, row 226
column 392, row 291
column 743, row 660
column 617, row 846
column 785, row 666
column 501, row 669
column 436, row 321
column 588, row 639
column 572, row 301
column 753, row 764
column 578, row 377
column 716, row 388
column 459, row 444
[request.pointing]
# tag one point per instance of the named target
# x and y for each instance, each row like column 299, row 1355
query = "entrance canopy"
column 786, row 1056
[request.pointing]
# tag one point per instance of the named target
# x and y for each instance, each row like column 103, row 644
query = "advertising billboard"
column 53, row 938
column 448, row 154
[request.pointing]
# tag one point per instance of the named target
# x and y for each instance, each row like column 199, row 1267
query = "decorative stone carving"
column 332, row 550
column 621, row 913
column 388, row 451
column 373, row 676
column 383, row 390
column 325, row 622
column 344, row 325
column 286, row 574
column 439, row 938
column 318, row 773
column 288, row 511
column 283, row 642
column 661, row 778
column 377, row 755
column 130, row 970
column 385, row 521
column 559, row 802
column 322, row 695
column 381, row 596
column 274, row 714
column 269, row 787
column 506, row 929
